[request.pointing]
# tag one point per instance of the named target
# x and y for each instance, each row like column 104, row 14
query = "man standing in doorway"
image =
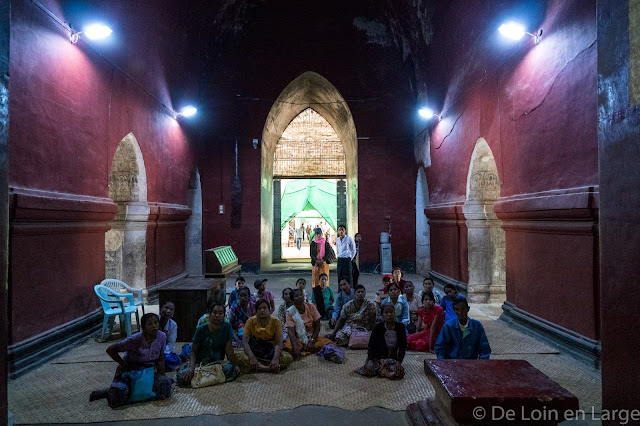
column 346, row 253
column 299, row 233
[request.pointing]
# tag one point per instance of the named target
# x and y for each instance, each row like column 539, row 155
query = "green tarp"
column 302, row 196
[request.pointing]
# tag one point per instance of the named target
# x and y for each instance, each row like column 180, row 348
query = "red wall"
column 69, row 109
column 535, row 106
column 248, row 76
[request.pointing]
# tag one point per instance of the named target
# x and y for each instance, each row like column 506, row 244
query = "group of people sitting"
column 396, row 321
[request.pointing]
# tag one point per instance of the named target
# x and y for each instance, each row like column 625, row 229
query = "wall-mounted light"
column 92, row 32
column 188, row 111
column 427, row 114
column 255, row 144
column 516, row 31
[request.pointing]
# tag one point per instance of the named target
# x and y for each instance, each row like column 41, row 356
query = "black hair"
column 244, row 289
column 323, row 275
column 344, row 279
column 301, row 279
column 428, row 279
column 165, row 304
column 384, row 305
column 298, row 290
column 214, row 305
column 360, row 286
column 260, row 302
column 393, row 283
column 285, row 290
column 459, row 300
column 240, row 279
column 428, row 294
column 451, row 286
column 342, row 226
column 409, row 282
column 146, row 317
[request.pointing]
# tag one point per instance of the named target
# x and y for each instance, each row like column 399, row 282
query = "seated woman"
column 430, row 321
column 142, row 350
column 240, row 312
column 387, row 347
column 287, row 297
column 323, row 297
column 262, row 343
column 398, row 302
column 358, row 314
column 170, row 328
column 211, row 342
column 303, row 327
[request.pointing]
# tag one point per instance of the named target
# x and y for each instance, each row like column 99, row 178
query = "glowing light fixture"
column 516, row 31
column 188, row 111
column 93, row 32
column 428, row 114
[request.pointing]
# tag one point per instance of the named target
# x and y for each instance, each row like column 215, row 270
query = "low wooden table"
column 477, row 392
column 190, row 296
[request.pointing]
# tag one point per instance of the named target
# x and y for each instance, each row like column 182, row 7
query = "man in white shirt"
column 346, row 252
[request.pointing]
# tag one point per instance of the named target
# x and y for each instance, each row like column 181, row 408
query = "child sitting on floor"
column 323, row 297
column 301, row 283
column 170, row 328
column 462, row 337
column 447, row 302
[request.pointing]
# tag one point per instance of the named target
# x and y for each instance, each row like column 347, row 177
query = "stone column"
column 341, row 202
column 277, row 219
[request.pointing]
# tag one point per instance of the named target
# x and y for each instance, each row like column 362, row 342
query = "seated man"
column 447, row 301
column 344, row 296
column 462, row 337
column 323, row 297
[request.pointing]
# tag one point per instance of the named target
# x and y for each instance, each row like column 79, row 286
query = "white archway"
column 309, row 90
column 486, row 239
column 126, row 241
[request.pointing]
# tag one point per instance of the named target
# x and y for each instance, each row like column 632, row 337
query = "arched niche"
column 486, row 240
column 193, row 246
column 423, row 235
column 126, row 241
column 309, row 90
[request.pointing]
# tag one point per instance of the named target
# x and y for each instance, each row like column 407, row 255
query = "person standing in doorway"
column 321, row 255
column 299, row 233
column 355, row 272
column 346, row 253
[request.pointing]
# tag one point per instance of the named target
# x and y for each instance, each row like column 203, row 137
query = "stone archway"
column 486, row 239
column 193, row 254
column 309, row 90
column 126, row 241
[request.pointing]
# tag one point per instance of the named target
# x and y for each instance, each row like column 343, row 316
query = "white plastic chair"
column 118, row 286
column 114, row 305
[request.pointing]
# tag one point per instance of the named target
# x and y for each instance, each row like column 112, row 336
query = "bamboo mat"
column 58, row 392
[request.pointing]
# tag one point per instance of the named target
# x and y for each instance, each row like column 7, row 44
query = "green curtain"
column 305, row 195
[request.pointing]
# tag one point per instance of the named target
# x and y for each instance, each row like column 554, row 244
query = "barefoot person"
column 262, row 343
column 303, row 328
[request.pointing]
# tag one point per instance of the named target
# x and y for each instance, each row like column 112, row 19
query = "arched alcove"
column 309, row 90
column 193, row 244
column 126, row 241
column 423, row 236
column 486, row 240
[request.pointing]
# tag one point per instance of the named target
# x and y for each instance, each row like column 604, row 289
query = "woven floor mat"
column 58, row 393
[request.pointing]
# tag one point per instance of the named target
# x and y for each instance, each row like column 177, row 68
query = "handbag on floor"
column 208, row 375
column 359, row 340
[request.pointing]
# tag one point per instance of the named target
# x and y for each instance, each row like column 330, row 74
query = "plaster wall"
column 535, row 107
column 71, row 110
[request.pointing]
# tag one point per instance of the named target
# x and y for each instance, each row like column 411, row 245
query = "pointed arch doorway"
column 485, row 236
column 291, row 152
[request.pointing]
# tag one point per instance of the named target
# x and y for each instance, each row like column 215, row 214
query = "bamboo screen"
column 309, row 147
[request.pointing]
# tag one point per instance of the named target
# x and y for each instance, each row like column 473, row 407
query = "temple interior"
column 504, row 164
